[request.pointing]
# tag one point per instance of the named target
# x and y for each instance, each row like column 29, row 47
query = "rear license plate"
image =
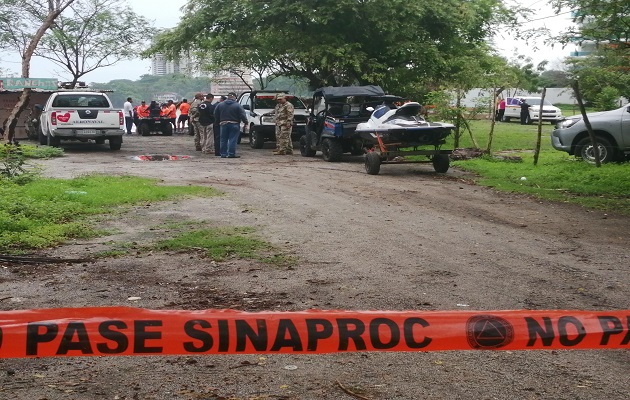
column 89, row 132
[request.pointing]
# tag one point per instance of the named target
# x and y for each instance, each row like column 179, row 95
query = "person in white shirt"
column 128, row 111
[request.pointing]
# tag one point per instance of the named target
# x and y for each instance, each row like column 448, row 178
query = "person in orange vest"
column 172, row 113
column 143, row 110
column 184, row 107
column 164, row 111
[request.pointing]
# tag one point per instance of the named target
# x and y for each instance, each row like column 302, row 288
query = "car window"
column 244, row 100
column 79, row 101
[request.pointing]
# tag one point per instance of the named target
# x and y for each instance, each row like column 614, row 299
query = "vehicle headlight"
column 268, row 119
column 568, row 122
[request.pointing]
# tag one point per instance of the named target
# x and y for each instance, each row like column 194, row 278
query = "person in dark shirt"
column 229, row 114
column 524, row 112
column 206, row 121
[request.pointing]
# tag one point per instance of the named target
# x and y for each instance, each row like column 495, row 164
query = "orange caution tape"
column 131, row 331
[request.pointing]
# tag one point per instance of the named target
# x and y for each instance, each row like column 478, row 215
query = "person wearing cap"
column 284, row 123
column 193, row 113
column 230, row 114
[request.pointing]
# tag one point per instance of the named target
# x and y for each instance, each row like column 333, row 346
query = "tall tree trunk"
column 538, row 139
column 578, row 96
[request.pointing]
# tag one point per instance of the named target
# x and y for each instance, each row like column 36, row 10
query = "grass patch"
column 219, row 243
column 46, row 212
column 558, row 176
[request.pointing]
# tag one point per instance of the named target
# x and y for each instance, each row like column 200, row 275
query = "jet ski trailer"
column 394, row 133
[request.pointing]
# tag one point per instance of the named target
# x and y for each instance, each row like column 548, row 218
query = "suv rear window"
column 81, row 101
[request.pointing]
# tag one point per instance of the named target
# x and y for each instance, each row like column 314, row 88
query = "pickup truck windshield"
column 269, row 101
column 81, row 101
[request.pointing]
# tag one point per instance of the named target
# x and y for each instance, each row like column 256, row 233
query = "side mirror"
column 247, row 107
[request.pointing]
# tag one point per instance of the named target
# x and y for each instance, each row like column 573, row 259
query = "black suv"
column 333, row 120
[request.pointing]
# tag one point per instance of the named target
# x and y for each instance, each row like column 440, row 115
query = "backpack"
column 206, row 113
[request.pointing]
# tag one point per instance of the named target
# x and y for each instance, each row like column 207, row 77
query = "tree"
column 399, row 44
column 23, row 23
column 94, row 34
column 554, row 79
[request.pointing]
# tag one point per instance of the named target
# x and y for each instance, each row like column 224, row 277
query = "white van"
column 550, row 112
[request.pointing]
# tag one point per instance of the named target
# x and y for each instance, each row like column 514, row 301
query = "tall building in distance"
column 222, row 82
column 225, row 82
column 161, row 66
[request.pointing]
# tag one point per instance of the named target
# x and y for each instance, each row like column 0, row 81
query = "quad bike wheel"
column 305, row 146
column 331, row 150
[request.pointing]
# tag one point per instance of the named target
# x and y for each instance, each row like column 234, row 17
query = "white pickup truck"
column 82, row 116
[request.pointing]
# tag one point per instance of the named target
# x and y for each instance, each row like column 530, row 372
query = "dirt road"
column 407, row 239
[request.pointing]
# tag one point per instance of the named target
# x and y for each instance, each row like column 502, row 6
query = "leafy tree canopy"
column 402, row 45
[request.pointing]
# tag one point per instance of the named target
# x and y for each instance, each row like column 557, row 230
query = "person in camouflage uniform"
column 284, row 124
column 194, row 120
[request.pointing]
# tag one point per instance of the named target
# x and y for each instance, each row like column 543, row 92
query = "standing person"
column 193, row 122
column 184, row 108
column 284, row 123
column 128, row 111
column 216, row 128
column 501, row 110
column 524, row 112
column 230, row 114
column 206, row 122
column 172, row 113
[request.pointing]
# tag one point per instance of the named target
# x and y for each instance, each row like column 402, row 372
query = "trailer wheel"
column 305, row 146
column 145, row 130
column 441, row 162
column 331, row 150
column 372, row 163
column 168, row 130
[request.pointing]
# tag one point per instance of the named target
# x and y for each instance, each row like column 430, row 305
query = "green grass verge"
column 558, row 176
column 225, row 242
column 46, row 212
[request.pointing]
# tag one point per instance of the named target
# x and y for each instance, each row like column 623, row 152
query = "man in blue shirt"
column 229, row 114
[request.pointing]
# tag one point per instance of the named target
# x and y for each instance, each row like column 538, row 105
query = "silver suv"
column 611, row 128
column 260, row 106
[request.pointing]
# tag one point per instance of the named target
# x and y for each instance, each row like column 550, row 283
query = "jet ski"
column 402, row 126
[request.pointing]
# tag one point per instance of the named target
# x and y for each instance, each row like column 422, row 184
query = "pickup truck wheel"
column 585, row 150
column 441, row 163
column 42, row 138
column 53, row 141
column 331, row 150
column 256, row 139
column 305, row 146
column 372, row 163
column 115, row 143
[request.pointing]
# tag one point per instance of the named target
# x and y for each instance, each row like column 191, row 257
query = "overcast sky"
column 166, row 14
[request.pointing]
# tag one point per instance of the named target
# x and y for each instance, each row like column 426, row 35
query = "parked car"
column 82, row 116
column 612, row 132
column 332, row 123
column 259, row 106
column 550, row 112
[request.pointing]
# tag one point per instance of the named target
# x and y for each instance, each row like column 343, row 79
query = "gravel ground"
column 406, row 239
